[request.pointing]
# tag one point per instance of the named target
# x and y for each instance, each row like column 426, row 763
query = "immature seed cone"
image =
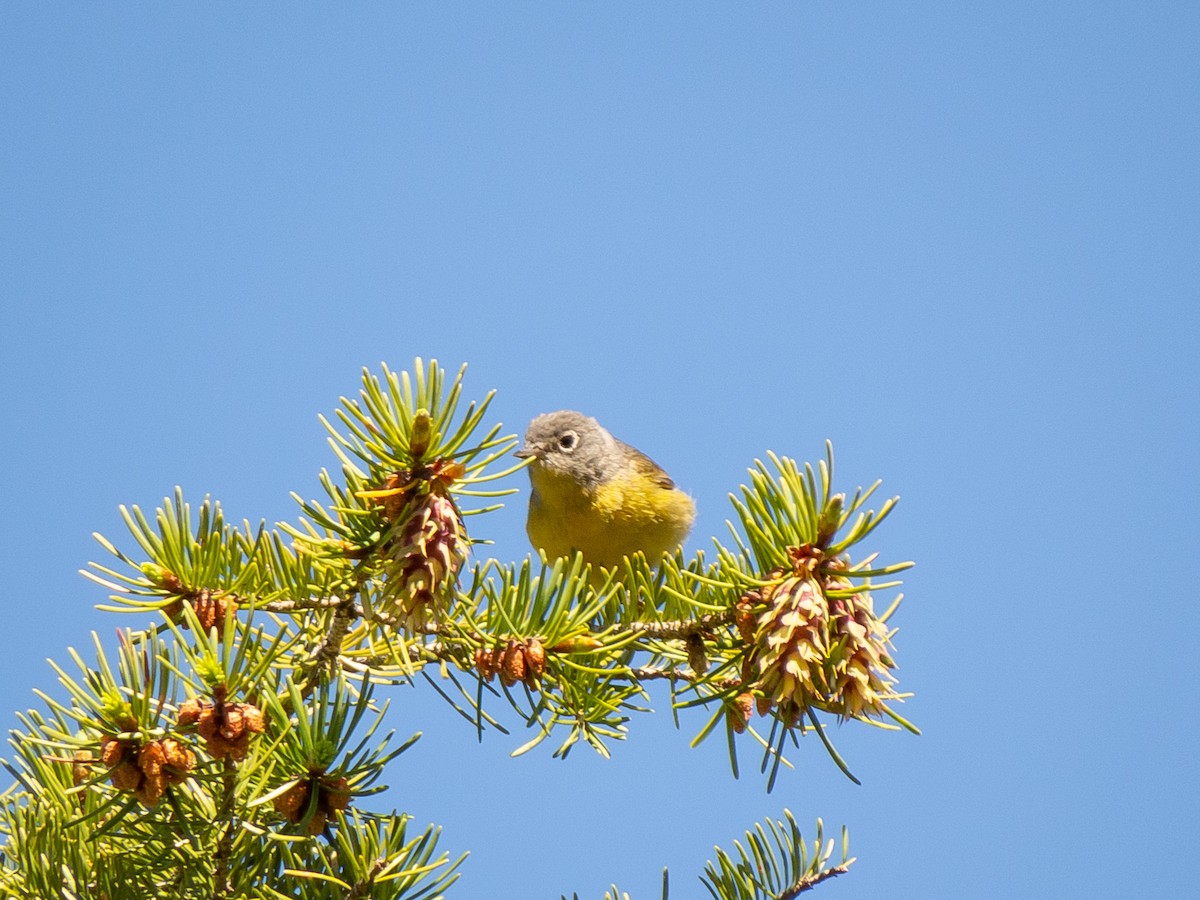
column 815, row 643
column 791, row 646
column 859, row 662
column 429, row 550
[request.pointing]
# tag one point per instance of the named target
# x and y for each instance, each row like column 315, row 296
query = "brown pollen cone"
column 210, row 608
column 512, row 669
column 333, row 795
column 483, row 664
column 535, row 662
column 147, row 769
column 226, row 727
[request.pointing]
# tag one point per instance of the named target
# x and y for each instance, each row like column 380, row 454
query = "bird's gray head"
column 569, row 443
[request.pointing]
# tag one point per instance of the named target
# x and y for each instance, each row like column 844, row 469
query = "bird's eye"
column 568, row 440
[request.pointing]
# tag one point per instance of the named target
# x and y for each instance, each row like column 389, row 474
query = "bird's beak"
column 527, row 452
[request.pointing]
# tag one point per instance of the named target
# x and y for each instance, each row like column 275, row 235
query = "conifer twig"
column 808, row 882
column 225, row 844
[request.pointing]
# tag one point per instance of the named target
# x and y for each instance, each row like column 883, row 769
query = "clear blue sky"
column 959, row 240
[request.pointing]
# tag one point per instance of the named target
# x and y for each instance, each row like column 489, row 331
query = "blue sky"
column 958, row 240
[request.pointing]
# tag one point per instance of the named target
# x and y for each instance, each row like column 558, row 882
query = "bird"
column 597, row 495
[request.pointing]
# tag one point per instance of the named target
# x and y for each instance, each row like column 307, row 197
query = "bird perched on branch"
column 597, row 495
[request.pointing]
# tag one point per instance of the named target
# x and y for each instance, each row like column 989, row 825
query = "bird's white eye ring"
column 568, row 440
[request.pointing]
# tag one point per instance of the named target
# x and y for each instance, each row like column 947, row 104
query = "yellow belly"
column 626, row 514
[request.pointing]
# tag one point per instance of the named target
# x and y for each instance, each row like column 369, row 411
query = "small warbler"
column 599, row 496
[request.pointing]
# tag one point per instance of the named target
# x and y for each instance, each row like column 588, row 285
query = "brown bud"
column 317, row 823
column 219, row 748
column 448, row 472
column 174, row 609
column 178, row 756
column 208, row 725
column 577, row 645
column 151, row 758
column 483, row 664
column 81, row 766
column 740, row 711
column 111, row 751
column 745, row 614
column 210, row 609
column 697, row 657
column 125, row 776
column 253, row 718
column 290, row 804
column 233, row 724
column 228, row 735
column 395, row 494
column 239, row 748
column 151, row 790
column 189, row 711
column 420, row 433
column 512, row 669
column 829, row 519
column 170, row 581
column 535, row 657
column 336, row 794
column 535, row 663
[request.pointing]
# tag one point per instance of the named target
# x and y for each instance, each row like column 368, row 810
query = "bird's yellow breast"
column 629, row 512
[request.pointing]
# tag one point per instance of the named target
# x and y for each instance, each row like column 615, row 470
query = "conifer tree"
column 228, row 744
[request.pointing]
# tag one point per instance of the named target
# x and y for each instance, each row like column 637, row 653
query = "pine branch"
column 362, row 888
column 221, row 858
column 677, row 630
column 304, row 603
column 235, row 727
column 658, row 674
column 808, row 882
column 325, row 655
